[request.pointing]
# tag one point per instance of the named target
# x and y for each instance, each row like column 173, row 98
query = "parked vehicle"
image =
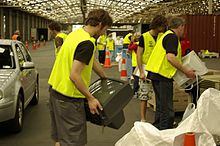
column 19, row 83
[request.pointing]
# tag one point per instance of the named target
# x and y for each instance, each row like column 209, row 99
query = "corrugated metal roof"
column 122, row 11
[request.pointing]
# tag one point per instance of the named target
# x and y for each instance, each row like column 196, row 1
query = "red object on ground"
column 124, row 75
column 34, row 45
column 189, row 139
column 107, row 63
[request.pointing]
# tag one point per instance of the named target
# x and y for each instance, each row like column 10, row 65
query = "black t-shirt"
column 84, row 52
column 170, row 44
column 129, row 37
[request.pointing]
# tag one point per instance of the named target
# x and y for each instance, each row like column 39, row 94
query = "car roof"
column 6, row 41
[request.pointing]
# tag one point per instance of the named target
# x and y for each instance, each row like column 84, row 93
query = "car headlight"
column 1, row 94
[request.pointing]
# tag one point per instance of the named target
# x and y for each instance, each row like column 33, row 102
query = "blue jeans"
column 164, row 116
column 118, row 49
column 112, row 56
column 102, row 56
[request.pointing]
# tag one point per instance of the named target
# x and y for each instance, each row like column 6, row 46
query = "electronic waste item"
column 192, row 61
column 113, row 95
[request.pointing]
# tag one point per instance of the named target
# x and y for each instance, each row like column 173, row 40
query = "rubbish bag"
column 204, row 122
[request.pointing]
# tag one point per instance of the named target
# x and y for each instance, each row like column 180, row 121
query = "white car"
column 19, row 83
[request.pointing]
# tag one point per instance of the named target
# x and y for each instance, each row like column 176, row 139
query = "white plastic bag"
column 118, row 57
column 189, row 110
column 204, row 122
column 137, row 72
column 119, row 60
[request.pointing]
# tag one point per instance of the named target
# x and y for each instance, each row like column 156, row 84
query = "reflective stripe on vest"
column 60, row 75
column 61, row 35
column 126, row 39
column 158, row 62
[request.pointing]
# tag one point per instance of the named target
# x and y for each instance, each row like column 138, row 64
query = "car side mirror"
column 27, row 65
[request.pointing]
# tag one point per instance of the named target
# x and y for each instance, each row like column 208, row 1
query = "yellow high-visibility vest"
column 102, row 42
column 61, row 35
column 158, row 62
column 149, row 44
column 126, row 39
column 60, row 75
column 110, row 44
column 134, row 57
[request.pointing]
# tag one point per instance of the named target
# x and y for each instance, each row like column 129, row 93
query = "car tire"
column 35, row 98
column 16, row 124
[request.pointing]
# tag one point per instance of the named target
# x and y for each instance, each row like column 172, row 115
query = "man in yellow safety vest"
column 70, row 79
column 111, row 47
column 126, row 53
column 55, row 29
column 163, row 63
column 101, row 44
column 146, row 45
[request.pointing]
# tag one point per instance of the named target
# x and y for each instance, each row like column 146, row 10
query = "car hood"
column 5, row 75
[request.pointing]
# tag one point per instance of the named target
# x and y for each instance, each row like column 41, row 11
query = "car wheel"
column 17, row 123
column 35, row 98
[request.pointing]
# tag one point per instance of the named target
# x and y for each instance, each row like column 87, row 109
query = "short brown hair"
column 175, row 22
column 158, row 21
column 54, row 26
column 98, row 16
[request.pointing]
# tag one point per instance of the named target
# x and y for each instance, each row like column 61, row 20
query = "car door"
column 32, row 73
column 24, row 75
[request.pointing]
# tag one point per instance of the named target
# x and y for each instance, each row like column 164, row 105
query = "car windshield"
column 6, row 57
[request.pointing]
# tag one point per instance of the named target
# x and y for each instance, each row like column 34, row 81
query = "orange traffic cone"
column 26, row 44
column 124, row 75
column 38, row 44
column 189, row 139
column 34, row 45
column 107, row 63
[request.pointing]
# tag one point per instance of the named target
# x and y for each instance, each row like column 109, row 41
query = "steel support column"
column 1, row 24
column 210, row 6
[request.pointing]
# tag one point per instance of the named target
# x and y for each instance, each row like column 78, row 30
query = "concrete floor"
column 36, row 130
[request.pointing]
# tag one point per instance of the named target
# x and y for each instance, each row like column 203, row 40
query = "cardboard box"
column 180, row 100
column 212, row 72
column 211, row 81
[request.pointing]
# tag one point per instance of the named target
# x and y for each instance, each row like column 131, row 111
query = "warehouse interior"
column 202, row 29
column 28, row 16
